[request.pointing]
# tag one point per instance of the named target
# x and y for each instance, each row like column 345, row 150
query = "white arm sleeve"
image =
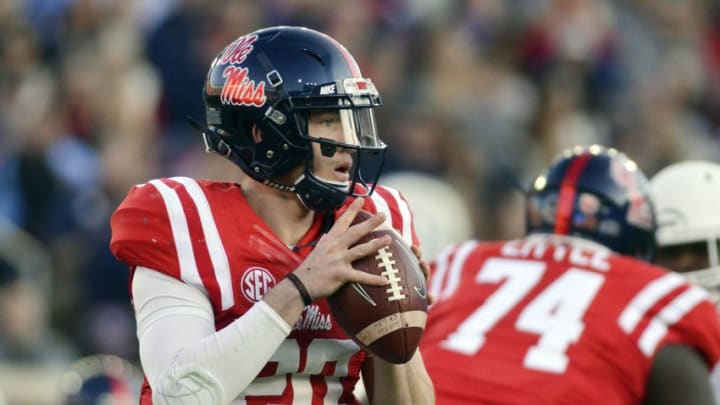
column 185, row 360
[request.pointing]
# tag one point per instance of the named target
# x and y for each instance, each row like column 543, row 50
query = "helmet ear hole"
column 257, row 135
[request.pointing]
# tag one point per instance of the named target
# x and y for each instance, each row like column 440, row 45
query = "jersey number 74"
column 556, row 314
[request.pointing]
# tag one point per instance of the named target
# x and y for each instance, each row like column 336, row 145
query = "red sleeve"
column 700, row 329
column 141, row 232
column 666, row 309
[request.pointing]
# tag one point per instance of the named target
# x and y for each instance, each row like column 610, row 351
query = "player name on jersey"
column 588, row 255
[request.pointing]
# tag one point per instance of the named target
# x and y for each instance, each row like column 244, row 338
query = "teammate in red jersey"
column 572, row 313
column 228, row 279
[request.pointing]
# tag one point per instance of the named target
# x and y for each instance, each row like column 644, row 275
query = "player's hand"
column 329, row 265
column 425, row 267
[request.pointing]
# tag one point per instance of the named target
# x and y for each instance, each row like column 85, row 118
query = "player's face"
column 329, row 125
column 684, row 258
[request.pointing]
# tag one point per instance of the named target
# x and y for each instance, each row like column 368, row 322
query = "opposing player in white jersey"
column 573, row 313
column 687, row 197
column 229, row 279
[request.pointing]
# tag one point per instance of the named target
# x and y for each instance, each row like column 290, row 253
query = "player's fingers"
column 343, row 222
column 430, row 299
column 370, row 248
column 353, row 234
column 425, row 267
column 416, row 251
column 361, row 277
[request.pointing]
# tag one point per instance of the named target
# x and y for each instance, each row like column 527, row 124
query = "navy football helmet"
column 271, row 80
column 598, row 194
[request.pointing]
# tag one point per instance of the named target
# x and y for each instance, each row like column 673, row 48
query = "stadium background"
column 478, row 95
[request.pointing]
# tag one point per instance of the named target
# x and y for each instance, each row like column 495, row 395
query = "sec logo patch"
column 255, row 283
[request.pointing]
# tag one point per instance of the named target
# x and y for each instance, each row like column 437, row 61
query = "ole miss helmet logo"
column 236, row 52
column 237, row 88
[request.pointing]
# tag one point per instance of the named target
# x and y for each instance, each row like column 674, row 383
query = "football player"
column 229, row 279
column 687, row 197
column 573, row 313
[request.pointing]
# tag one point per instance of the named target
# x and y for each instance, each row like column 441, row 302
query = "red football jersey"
column 556, row 320
column 206, row 235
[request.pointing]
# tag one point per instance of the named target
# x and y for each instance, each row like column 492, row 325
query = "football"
column 386, row 321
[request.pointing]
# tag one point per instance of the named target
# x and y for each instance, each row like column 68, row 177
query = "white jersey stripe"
column 381, row 206
column 218, row 257
column 646, row 298
column 673, row 312
column 404, row 215
column 181, row 234
column 437, row 277
column 652, row 336
column 455, row 270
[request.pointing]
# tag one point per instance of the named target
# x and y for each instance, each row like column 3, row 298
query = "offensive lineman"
column 572, row 313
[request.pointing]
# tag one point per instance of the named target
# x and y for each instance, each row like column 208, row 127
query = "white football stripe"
column 673, row 312
column 218, row 257
column 646, row 298
column 181, row 235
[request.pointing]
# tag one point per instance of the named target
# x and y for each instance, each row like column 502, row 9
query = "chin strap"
column 318, row 195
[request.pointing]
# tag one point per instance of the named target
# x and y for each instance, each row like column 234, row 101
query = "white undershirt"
column 177, row 336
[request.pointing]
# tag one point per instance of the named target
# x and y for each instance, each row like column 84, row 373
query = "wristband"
column 307, row 299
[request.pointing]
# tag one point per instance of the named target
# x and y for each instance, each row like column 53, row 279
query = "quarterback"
column 229, row 279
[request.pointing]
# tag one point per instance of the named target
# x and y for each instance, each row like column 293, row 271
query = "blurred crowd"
column 478, row 95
